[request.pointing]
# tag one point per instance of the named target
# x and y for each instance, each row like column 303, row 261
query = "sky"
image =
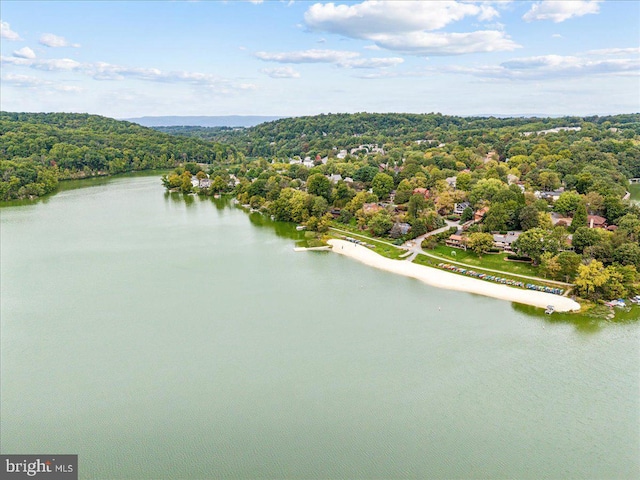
column 140, row 58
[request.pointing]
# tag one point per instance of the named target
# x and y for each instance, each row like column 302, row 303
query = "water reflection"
column 591, row 322
column 281, row 229
column 67, row 185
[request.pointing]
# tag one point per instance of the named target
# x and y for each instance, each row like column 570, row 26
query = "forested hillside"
column 402, row 133
column 38, row 149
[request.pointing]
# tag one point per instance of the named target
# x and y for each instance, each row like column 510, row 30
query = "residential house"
column 553, row 195
column 451, row 181
column 461, row 207
column 505, row 241
column 479, row 214
column 559, row 220
column 596, row 221
column 422, row 191
column 456, row 241
column 403, row 227
column 335, row 178
column 371, row 208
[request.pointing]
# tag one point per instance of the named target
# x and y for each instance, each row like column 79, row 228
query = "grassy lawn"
column 381, row 248
column 432, row 262
column 494, row 261
column 356, row 231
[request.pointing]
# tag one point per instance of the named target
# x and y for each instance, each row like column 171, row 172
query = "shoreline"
column 450, row 281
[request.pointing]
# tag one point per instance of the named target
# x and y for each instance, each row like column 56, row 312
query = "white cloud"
column 281, row 72
column 372, row 62
column 27, row 81
column 7, row 33
column 552, row 67
column 341, row 58
column 24, row 52
column 615, row 51
column 429, row 43
column 107, row 71
column 560, row 10
column 56, row 64
column 372, row 17
column 69, row 88
column 556, row 35
column 23, row 80
column 308, row 56
column 55, row 41
column 407, row 26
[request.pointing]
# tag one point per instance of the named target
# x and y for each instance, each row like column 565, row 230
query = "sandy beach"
column 442, row 279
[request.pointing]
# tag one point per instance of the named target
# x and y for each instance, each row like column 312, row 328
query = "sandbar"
column 443, row 279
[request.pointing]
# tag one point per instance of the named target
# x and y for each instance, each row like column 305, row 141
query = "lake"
column 163, row 337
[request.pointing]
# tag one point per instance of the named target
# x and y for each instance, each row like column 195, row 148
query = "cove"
column 164, row 337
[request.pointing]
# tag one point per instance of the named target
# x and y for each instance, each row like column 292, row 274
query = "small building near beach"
column 504, row 242
column 457, row 241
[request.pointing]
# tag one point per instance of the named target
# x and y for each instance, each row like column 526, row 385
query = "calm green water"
column 159, row 338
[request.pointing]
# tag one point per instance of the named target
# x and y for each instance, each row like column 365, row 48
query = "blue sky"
column 126, row 59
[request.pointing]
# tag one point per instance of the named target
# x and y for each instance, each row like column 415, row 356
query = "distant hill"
column 38, row 149
column 203, row 121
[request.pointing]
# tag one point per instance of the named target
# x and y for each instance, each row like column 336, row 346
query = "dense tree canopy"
column 37, row 149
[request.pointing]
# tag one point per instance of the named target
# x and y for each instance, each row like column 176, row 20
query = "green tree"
column 365, row 174
column 382, row 185
column 567, row 203
column 467, row 214
column 531, row 244
column 549, row 180
column 480, row 242
column 417, row 204
column 218, row 184
column 403, row 192
column 613, row 208
column 550, row 265
column 579, row 217
column 463, row 181
column 319, row 207
column 318, row 184
column 185, row 185
column 585, row 237
column 529, row 217
column 569, row 263
column 627, row 254
column 590, row 280
column 380, row 223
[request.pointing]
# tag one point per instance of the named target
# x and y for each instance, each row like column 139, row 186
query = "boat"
column 301, row 227
column 550, row 309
